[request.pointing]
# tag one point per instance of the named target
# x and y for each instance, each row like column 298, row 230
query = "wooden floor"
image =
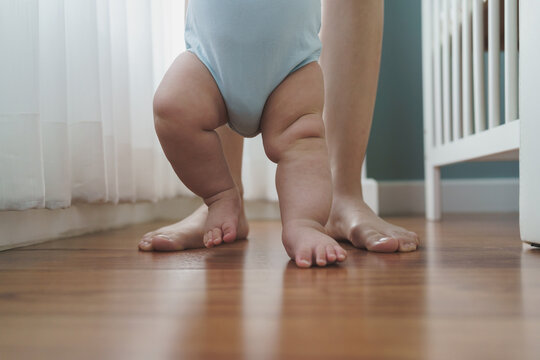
column 472, row 291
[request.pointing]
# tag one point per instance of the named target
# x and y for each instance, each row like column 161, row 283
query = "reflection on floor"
column 471, row 291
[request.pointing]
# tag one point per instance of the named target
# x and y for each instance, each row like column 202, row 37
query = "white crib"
column 457, row 126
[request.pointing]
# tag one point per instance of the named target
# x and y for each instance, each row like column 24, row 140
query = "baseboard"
column 20, row 228
column 458, row 196
column 407, row 197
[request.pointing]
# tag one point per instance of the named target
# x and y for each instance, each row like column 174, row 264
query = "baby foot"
column 351, row 219
column 307, row 242
column 187, row 233
column 224, row 211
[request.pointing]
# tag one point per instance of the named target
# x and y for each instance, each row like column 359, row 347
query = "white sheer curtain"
column 76, row 84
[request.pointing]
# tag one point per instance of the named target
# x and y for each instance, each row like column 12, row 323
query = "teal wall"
column 395, row 149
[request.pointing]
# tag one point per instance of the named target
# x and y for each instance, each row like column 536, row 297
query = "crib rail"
column 463, row 108
column 467, row 114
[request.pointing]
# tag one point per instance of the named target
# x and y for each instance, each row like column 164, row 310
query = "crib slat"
column 427, row 78
column 456, row 71
column 437, row 71
column 447, row 111
column 478, row 66
column 466, row 80
column 510, row 60
column 494, row 50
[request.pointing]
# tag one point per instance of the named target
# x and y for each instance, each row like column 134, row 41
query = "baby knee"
column 174, row 117
column 165, row 107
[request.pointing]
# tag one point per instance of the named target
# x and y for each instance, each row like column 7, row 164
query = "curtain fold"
column 77, row 79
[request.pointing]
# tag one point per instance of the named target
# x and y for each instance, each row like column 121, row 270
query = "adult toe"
column 382, row 243
column 408, row 242
column 216, row 236
column 163, row 242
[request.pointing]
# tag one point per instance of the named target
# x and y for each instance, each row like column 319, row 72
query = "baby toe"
column 229, row 233
column 303, row 258
column 331, row 255
column 340, row 253
column 320, row 255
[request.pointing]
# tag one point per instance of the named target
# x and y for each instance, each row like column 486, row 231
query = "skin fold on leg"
column 351, row 34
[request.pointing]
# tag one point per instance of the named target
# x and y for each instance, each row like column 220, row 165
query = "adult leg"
column 189, row 232
column 352, row 38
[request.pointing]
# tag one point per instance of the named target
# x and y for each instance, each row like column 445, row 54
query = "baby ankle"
column 230, row 193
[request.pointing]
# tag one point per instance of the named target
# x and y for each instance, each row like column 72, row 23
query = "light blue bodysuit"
column 250, row 46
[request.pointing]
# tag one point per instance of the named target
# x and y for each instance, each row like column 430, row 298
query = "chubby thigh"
column 294, row 110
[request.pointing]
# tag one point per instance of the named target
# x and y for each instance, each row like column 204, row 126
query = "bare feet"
column 224, row 211
column 187, row 233
column 351, row 219
column 306, row 242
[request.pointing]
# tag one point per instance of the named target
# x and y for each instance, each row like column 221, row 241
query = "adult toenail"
column 382, row 240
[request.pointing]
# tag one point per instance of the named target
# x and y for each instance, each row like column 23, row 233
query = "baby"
column 252, row 64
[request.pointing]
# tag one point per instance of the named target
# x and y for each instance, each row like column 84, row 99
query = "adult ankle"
column 348, row 192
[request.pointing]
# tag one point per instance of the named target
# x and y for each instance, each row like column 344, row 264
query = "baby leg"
column 293, row 137
column 188, row 107
column 188, row 233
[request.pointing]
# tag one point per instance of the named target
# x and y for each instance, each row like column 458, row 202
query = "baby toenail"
column 163, row 237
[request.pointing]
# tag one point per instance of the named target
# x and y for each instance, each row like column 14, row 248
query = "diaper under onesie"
column 250, row 46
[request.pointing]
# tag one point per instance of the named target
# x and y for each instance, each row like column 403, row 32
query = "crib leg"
column 529, row 108
column 433, row 192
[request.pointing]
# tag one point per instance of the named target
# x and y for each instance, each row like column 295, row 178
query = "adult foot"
column 351, row 219
column 307, row 243
column 187, row 233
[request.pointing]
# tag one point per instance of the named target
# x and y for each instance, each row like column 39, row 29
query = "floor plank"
column 471, row 291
